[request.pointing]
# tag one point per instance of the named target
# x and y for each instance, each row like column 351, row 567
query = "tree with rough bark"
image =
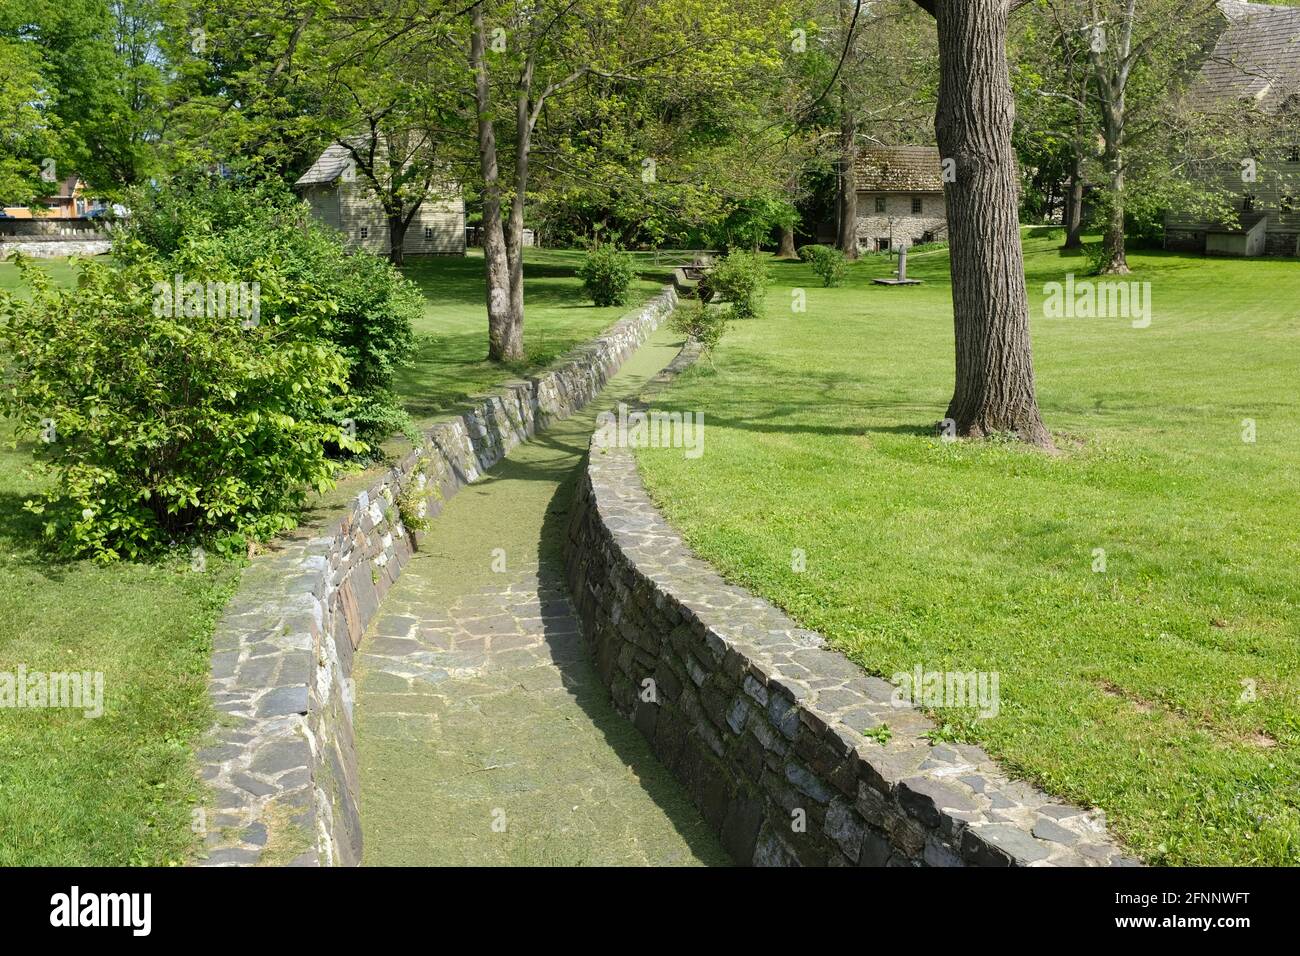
column 994, row 391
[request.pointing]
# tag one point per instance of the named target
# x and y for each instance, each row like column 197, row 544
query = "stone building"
column 900, row 197
column 1256, row 63
column 342, row 197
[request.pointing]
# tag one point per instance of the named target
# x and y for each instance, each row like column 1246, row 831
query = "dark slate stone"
column 1000, row 844
column 283, row 701
column 1046, row 829
column 924, row 798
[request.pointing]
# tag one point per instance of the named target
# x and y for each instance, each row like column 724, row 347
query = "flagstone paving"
column 483, row 733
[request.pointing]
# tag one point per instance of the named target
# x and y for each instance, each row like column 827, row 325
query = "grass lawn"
column 451, row 360
column 120, row 789
column 1163, row 688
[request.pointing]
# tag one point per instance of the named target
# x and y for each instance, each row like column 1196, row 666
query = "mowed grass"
column 121, row 788
column 451, row 362
column 1164, row 688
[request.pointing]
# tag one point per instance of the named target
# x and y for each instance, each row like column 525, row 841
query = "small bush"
column 740, row 278
column 701, row 322
column 827, row 262
column 606, row 275
column 1095, row 254
column 159, row 429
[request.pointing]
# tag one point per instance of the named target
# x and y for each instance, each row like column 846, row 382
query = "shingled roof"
column 1257, row 57
column 327, row 168
column 904, row 169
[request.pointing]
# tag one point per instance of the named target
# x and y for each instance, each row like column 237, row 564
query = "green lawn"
column 120, row 789
column 451, row 361
column 1128, row 689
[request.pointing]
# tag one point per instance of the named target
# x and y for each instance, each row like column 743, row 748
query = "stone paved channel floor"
column 483, row 734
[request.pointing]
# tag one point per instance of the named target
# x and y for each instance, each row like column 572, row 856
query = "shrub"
column 1095, row 253
column 740, row 278
column 162, row 425
column 360, row 303
column 827, row 262
column 706, row 324
column 606, row 275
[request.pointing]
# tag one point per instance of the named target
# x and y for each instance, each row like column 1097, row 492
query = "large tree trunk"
column 1072, row 216
column 505, row 329
column 787, row 249
column 397, row 238
column 994, row 390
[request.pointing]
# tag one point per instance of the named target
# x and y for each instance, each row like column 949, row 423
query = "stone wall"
column 281, row 763
column 767, row 727
column 50, row 248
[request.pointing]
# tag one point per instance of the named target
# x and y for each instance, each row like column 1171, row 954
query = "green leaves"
column 170, row 401
column 606, row 275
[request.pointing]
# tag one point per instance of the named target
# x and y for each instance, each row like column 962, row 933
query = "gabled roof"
column 908, row 169
column 1257, row 57
column 327, row 168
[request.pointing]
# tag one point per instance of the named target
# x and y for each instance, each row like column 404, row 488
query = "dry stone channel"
column 281, row 764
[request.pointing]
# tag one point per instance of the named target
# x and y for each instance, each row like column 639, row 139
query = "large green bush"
column 198, row 387
column 362, row 304
column 606, row 275
column 161, row 425
column 741, row 279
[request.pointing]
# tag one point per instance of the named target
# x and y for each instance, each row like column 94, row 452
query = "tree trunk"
column 397, row 238
column 994, row 390
column 515, row 226
column 787, row 249
column 1072, row 217
column 505, row 334
column 848, row 185
column 1116, row 258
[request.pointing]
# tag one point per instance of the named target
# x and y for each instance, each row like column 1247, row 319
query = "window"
column 365, row 232
column 1294, row 155
column 882, row 244
column 1288, row 204
column 1247, row 203
column 428, row 233
column 917, row 205
column 880, row 204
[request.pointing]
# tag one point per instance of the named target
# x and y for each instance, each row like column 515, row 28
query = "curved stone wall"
column 281, row 763
column 768, row 728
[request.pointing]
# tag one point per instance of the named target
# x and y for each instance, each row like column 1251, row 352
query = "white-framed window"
column 365, row 232
column 428, row 233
